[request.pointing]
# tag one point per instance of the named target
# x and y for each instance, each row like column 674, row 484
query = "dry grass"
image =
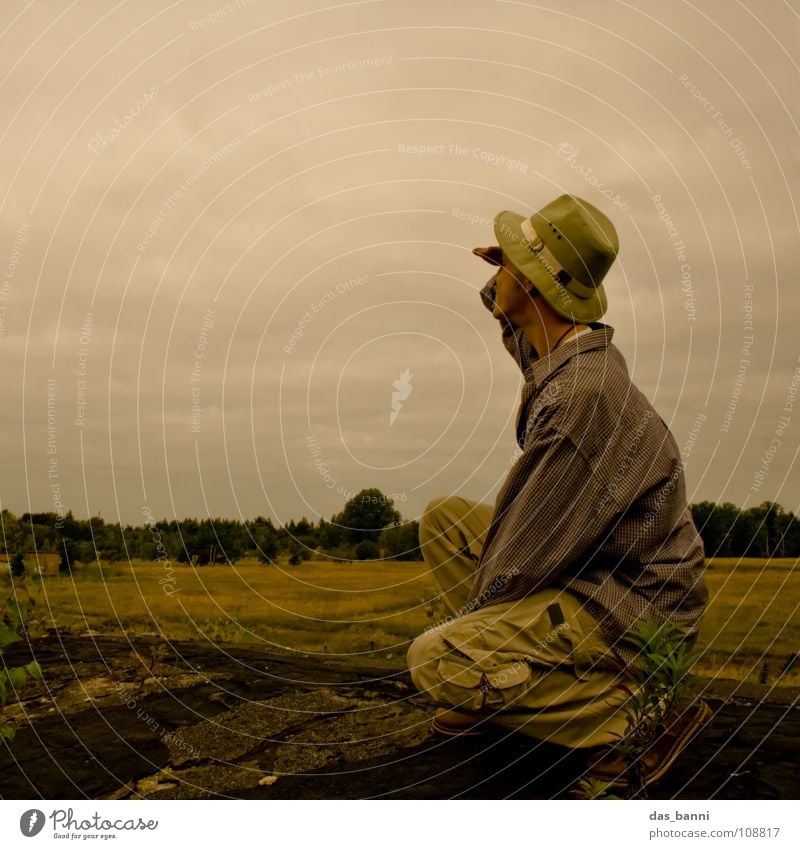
column 315, row 607
column 752, row 619
column 370, row 608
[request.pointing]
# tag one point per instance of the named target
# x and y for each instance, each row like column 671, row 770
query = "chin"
column 504, row 318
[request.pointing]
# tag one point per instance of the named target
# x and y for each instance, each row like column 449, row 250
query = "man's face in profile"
column 513, row 294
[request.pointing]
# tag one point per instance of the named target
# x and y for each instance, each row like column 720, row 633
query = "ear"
column 526, row 283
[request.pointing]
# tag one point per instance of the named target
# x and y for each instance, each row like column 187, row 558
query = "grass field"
column 367, row 609
column 752, row 626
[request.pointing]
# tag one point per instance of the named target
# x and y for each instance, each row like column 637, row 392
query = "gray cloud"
column 172, row 168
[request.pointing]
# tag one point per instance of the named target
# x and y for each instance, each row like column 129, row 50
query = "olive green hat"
column 565, row 249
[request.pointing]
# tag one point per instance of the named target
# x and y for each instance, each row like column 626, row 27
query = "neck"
column 547, row 334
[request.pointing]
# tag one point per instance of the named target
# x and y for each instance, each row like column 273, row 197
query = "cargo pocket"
column 475, row 679
column 590, row 653
column 507, row 682
column 460, row 682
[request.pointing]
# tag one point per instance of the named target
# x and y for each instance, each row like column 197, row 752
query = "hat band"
column 550, row 264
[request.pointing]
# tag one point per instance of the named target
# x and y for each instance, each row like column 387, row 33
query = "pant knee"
column 430, row 522
column 433, row 507
column 422, row 658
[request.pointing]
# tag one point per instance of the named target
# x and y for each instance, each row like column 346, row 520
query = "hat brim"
column 509, row 235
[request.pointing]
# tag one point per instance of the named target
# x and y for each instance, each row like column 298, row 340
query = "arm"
column 547, row 513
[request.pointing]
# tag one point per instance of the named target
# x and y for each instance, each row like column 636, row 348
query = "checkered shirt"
column 596, row 501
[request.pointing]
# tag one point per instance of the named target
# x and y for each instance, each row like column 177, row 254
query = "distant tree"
column 303, row 528
column 727, row 531
column 266, row 540
column 330, row 534
column 769, row 522
column 344, row 553
column 715, row 523
column 111, row 542
column 367, row 550
column 68, row 552
column 366, row 514
column 298, row 552
column 745, row 535
column 12, row 530
column 231, row 537
column 18, row 565
column 39, row 518
column 401, row 542
column 793, row 536
column 308, row 546
column 85, row 551
column 73, row 528
column 199, row 542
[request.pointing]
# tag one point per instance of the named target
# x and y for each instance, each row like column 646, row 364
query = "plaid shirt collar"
column 541, row 368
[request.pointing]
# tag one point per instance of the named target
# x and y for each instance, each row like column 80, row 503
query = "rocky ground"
column 125, row 717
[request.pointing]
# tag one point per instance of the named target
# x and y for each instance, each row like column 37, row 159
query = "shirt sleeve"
column 511, row 337
column 552, row 521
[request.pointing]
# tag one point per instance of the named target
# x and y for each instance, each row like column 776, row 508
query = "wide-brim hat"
column 565, row 249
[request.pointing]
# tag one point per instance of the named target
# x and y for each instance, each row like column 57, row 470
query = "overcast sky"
column 228, row 229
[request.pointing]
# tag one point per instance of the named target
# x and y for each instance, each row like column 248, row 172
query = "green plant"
column 15, row 624
column 595, row 788
column 661, row 687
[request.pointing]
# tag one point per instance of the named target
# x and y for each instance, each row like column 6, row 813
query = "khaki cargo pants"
column 539, row 665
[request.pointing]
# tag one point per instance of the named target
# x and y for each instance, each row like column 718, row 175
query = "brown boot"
column 456, row 723
column 654, row 763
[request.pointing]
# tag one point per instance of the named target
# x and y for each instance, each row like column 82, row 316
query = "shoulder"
column 586, row 395
column 597, row 377
column 597, row 400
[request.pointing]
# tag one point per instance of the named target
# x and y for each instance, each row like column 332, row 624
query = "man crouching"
column 590, row 532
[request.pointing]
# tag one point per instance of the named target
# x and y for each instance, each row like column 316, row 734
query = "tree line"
column 368, row 527
column 764, row 531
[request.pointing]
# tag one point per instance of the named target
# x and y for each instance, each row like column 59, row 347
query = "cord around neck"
column 558, row 341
